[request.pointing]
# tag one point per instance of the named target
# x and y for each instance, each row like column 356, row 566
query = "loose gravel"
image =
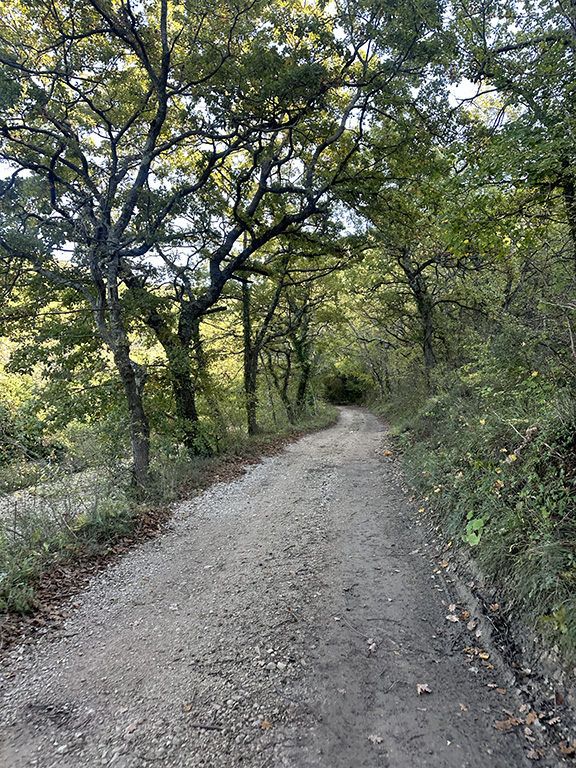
column 294, row 617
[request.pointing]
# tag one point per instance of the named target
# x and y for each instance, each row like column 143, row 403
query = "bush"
column 495, row 460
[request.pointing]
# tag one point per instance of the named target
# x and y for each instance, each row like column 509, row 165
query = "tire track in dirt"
column 286, row 619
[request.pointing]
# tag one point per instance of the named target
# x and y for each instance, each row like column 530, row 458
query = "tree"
column 527, row 53
column 195, row 133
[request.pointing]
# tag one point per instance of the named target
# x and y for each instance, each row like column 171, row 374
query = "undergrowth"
column 493, row 454
column 72, row 516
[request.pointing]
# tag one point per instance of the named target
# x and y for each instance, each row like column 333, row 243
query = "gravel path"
column 286, row 619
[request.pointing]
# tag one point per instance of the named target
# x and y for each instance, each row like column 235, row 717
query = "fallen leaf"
column 452, row 607
column 452, row 617
column 508, row 724
column 535, row 754
column 465, row 615
column 444, row 564
column 566, row 748
column 387, row 453
column 559, row 698
column 530, row 717
column 133, row 725
column 501, row 690
column 423, row 688
column 484, row 655
column 375, row 739
column 266, row 724
column 463, row 708
column 495, row 607
column 341, row 690
column 471, row 626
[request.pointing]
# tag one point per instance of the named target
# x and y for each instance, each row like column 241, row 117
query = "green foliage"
column 70, row 516
column 344, row 389
column 273, row 203
column 493, row 455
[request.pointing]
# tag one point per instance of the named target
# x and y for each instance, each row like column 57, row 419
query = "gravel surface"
column 294, row 617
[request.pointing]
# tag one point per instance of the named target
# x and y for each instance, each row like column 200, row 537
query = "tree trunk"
column 425, row 304
column 302, row 349
column 204, row 376
column 569, row 194
column 108, row 315
column 282, row 387
column 425, row 307
column 185, row 397
column 303, row 380
column 178, row 359
column 250, row 363
column 176, row 346
column 134, row 378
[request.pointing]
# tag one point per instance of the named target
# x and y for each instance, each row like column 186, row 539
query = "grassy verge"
column 75, row 523
column 495, row 460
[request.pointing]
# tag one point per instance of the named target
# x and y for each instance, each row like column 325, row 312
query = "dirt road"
column 295, row 617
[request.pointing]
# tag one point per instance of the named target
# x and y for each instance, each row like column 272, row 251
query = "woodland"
column 218, row 217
